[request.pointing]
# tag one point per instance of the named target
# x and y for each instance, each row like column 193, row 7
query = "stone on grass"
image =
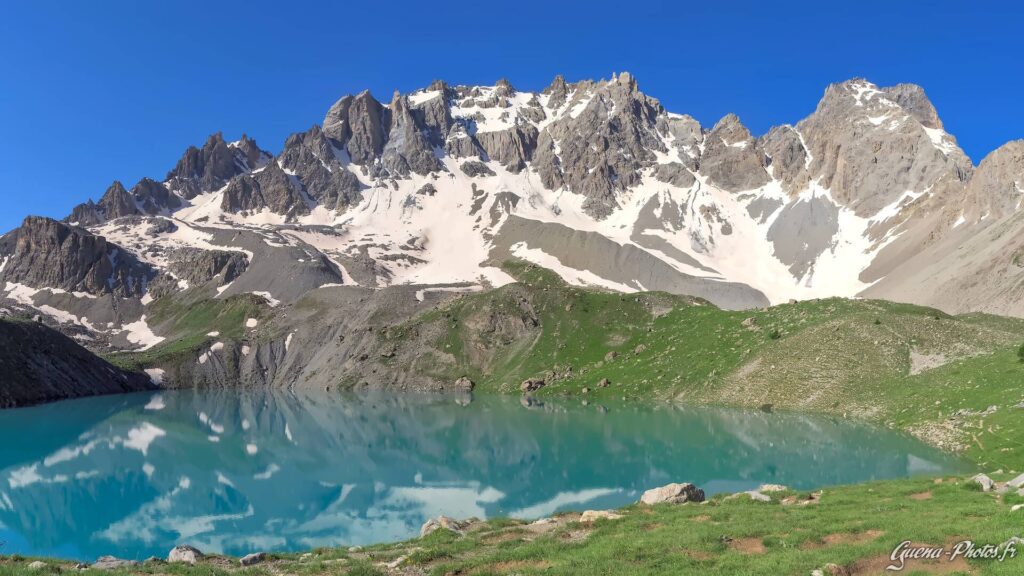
column 111, row 563
column 253, row 559
column 396, row 562
column 531, row 385
column 673, row 493
column 442, row 523
column 984, row 481
column 1017, row 482
column 772, row 488
column 757, row 496
column 185, row 554
column 591, row 515
column 37, row 565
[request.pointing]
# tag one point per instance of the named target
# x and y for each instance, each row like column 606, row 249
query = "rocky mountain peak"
column 358, row 125
column 153, row 197
column 626, row 80
column 996, row 188
column 732, row 159
column 912, row 98
column 47, row 253
column 504, row 87
column 210, row 168
column 870, row 145
column 117, row 202
column 557, row 85
column 731, row 129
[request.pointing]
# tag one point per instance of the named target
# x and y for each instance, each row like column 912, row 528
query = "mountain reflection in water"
column 236, row 472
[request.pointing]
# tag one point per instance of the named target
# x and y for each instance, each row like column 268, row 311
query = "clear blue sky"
column 102, row 90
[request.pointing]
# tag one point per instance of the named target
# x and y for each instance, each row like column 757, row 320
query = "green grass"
column 188, row 322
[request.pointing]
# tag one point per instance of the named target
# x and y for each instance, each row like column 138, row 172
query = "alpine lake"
column 236, row 472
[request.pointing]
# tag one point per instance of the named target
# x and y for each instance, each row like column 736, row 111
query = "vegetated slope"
column 39, row 364
column 668, row 346
column 898, row 364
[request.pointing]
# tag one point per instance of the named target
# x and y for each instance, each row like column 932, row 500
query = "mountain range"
column 386, row 209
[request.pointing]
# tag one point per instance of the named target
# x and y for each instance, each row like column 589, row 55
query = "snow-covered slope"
column 594, row 180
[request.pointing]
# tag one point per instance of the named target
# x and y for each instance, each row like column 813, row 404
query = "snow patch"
column 156, row 376
column 139, row 333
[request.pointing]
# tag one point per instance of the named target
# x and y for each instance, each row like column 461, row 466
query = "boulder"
column 984, row 481
column 442, row 523
column 1017, row 482
column 474, row 168
column 111, row 563
column 531, row 384
column 603, row 383
column 184, row 553
column 772, row 488
column 253, row 559
column 673, row 494
column 757, row 496
column 465, row 384
column 591, row 515
column 37, row 565
column 611, row 356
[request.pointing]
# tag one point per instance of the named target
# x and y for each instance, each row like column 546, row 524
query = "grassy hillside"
column 901, row 365
column 187, row 319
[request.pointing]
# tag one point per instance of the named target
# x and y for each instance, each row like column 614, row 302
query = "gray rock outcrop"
column 211, row 167
column 673, row 494
column 47, row 253
column 184, row 554
column 40, row 365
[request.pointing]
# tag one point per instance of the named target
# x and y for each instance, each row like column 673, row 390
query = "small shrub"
column 1020, row 353
column 877, row 321
column 775, row 335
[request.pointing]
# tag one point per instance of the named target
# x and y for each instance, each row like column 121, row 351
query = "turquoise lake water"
column 237, row 472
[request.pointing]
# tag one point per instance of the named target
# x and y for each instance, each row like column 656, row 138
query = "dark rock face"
column 197, row 266
column 603, row 148
column 47, row 253
column 86, row 214
column 152, row 197
column 117, row 202
column 474, row 168
column 359, row 125
column 210, row 168
column 311, row 157
column 674, row 173
column 269, row 188
column 786, row 156
column 512, row 147
column 40, row 365
column 435, row 115
column 146, row 197
column 732, row 159
column 407, row 149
